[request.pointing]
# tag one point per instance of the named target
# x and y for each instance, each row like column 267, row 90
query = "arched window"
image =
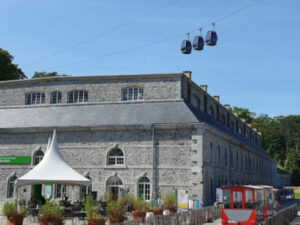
column 132, row 94
column 34, row 98
column 77, row 96
column 11, row 186
column 115, row 157
column 196, row 102
column 37, row 157
column 114, row 187
column 55, row 97
column 211, row 112
column 144, row 188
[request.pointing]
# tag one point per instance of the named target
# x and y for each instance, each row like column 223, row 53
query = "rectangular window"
column 237, row 199
column 58, row 193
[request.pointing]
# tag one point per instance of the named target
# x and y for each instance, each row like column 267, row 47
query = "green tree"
column 244, row 113
column 8, row 70
column 45, row 74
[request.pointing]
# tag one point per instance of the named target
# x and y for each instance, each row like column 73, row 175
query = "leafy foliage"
column 140, row 205
column 52, row 213
column 170, row 201
column 115, row 212
column 91, row 212
column 45, row 74
column 281, row 139
column 8, row 70
column 10, row 209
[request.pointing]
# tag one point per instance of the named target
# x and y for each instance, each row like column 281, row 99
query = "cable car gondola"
column 198, row 42
column 211, row 37
column 186, row 46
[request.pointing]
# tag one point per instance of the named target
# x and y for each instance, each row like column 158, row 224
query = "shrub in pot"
column 128, row 201
column 115, row 212
column 50, row 214
column 140, row 208
column 92, row 216
column 170, row 202
column 12, row 214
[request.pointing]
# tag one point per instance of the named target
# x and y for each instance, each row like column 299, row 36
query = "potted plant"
column 128, row 201
column 140, row 208
column 50, row 214
column 92, row 216
column 170, row 202
column 12, row 214
column 115, row 212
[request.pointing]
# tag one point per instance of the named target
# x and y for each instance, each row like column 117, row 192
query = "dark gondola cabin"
column 186, row 47
column 211, row 38
column 198, row 43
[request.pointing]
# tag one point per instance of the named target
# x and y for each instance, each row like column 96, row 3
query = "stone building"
column 140, row 134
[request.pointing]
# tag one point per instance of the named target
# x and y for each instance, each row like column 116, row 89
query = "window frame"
column 38, row 157
column 11, row 187
column 144, row 188
column 132, row 94
column 34, row 97
column 115, row 158
column 77, row 97
column 58, row 97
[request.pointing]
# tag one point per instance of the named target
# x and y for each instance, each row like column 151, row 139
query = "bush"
column 128, row 201
column 170, row 201
column 91, row 212
column 115, row 212
column 52, row 213
column 10, row 209
column 140, row 205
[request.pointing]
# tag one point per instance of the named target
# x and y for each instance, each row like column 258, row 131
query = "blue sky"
column 255, row 64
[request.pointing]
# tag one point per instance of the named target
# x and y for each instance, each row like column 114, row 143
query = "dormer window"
column 77, row 96
column 132, row 94
column 55, row 97
column 34, row 98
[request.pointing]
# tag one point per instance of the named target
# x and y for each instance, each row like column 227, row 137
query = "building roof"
column 175, row 112
column 98, row 114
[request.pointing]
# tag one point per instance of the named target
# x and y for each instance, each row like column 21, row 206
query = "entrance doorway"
column 114, row 187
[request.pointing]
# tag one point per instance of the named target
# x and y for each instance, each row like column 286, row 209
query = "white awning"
column 53, row 170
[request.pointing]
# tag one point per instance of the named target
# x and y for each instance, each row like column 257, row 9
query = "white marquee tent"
column 52, row 170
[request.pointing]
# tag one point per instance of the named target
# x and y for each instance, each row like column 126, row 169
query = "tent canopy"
column 53, row 170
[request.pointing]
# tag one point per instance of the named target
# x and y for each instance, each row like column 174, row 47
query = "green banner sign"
column 15, row 160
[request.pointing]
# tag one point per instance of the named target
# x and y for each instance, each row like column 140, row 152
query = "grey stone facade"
column 167, row 137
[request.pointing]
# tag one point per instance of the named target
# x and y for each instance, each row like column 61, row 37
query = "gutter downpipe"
column 153, row 162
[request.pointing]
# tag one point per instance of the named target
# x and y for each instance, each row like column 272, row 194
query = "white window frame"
column 132, row 94
column 11, row 187
column 144, row 188
column 115, row 158
column 33, row 98
column 78, row 96
column 55, row 97
column 37, row 157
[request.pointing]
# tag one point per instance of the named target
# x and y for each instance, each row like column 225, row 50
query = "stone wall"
column 86, row 151
column 99, row 90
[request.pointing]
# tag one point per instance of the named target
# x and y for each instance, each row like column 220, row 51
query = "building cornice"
column 96, row 77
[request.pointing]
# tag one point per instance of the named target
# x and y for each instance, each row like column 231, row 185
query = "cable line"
column 165, row 5
column 161, row 40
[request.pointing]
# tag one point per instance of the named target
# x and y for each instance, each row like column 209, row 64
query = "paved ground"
column 217, row 222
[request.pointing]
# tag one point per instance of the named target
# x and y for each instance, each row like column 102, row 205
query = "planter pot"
column 92, row 222
column 50, row 222
column 17, row 220
column 172, row 210
column 115, row 220
column 138, row 215
column 158, row 212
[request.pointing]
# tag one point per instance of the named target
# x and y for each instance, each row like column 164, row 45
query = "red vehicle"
column 247, row 204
